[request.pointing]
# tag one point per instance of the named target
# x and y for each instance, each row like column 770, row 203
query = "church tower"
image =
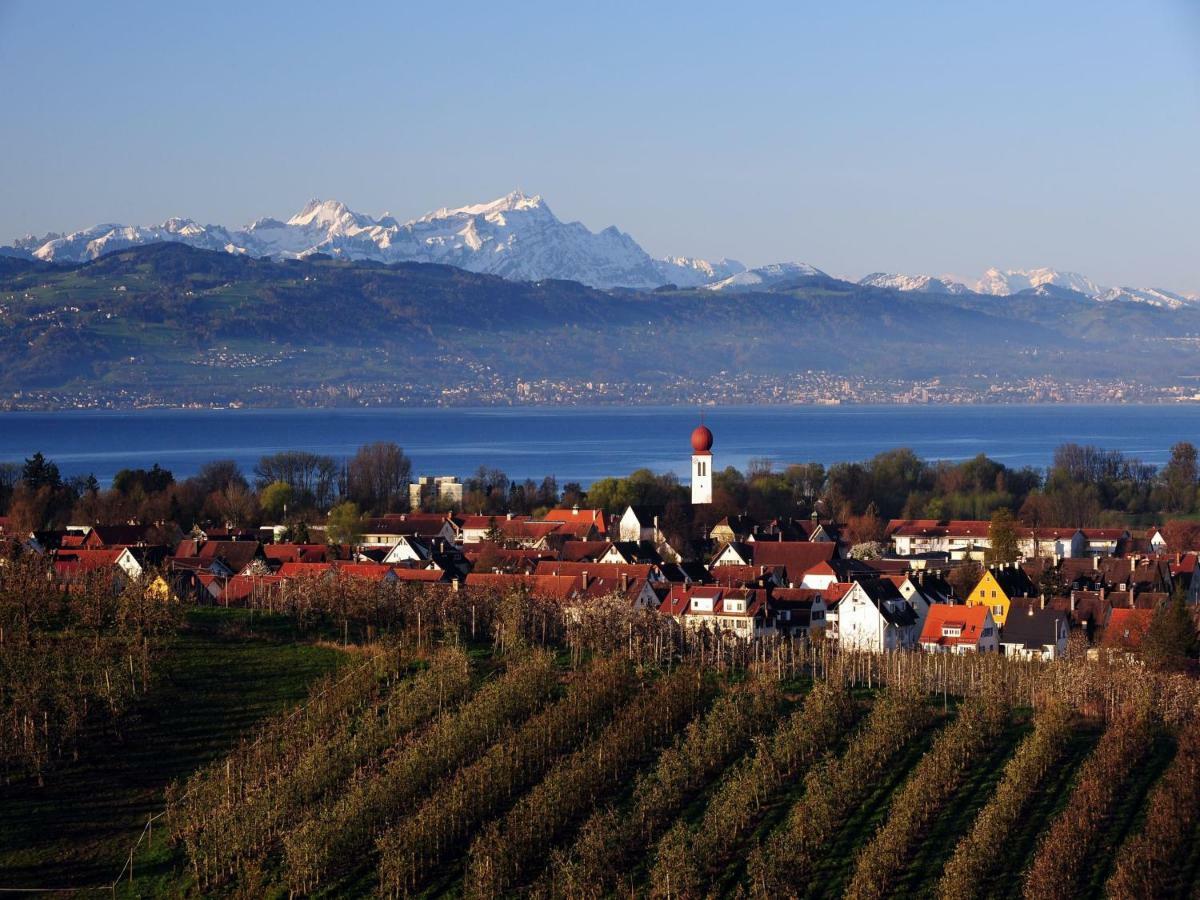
column 702, row 440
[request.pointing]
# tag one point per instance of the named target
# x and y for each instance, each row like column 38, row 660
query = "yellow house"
column 999, row 587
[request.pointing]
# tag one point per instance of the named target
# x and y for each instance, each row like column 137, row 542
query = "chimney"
column 584, row 577
column 1072, row 601
column 508, row 516
column 1095, row 563
column 454, row 585
column 1043, row 596
column 624, row 582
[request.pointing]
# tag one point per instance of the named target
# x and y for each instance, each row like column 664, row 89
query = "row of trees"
column 1085, row 486
column 70, row 656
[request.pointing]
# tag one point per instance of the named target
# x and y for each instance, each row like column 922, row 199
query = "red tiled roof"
column 583, row 551
column 970, row 620
column 593, row 517
column 595, row 570
column 797, row 557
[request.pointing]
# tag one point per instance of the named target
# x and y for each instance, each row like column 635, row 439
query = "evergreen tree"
column 1171, row 638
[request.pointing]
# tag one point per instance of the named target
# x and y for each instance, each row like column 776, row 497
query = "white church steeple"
column 702, row 441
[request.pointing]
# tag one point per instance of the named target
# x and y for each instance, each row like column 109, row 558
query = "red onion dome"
column 702, row 439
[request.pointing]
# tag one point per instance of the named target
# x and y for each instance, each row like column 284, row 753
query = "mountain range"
column 166, row 323
column 519, row 238
column 516, row 237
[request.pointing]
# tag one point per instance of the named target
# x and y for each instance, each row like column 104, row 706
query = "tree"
column 235, row 506
column 148, row 481
column 311, row 476
column 1171, row 637
column 1002, row 534
column 40, row 472
column 1179, row 478
column 377, row 477
column 964, row 578
column 220, row 474
column 1181, row 535
column 344, row 525
column 274, row 499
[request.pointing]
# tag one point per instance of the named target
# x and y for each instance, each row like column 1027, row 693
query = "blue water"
column 586, row 444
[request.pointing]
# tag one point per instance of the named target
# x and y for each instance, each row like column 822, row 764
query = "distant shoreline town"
column 804, row 389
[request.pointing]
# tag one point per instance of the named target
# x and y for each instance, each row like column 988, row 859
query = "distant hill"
column 185, row 323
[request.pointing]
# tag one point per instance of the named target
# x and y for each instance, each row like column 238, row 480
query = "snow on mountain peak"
column 764, row 277
column 514, row 201
column 518, row 237
column 929, row 284
column 327, row 214
column 1011, row 281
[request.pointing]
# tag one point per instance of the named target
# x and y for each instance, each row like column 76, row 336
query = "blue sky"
column 911, row 137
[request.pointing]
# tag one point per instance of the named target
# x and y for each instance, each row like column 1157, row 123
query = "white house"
column 1031, row 633
column 639, row 523
column 739, row 611
column 874, row 616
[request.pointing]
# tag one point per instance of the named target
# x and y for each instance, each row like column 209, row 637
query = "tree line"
column 1084, row 486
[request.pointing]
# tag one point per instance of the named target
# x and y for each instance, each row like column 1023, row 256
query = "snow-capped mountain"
column 515, row 237
column 1043, row 282
column 687, row 271
column 929, row 284
column 518, row 237
column 1012, row 281
column 764, row 277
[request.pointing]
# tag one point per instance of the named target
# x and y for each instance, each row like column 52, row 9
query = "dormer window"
column 952, row 629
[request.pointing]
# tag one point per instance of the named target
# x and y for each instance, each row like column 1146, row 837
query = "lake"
column 576, row 444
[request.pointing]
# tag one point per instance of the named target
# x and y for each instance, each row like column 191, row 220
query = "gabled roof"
column 888, row 600
column 679, row 601
column 740, row 576
column 112, row 535
column 1104, row 534
column 969, row 621
column 645, row 515
column 1032, row 628
column 594, row 517
column 583, row 551
column 797, row 557
column 1013, row 580
column 595, row 570
column 80, row 561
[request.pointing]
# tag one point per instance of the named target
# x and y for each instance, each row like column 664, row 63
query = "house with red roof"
column 1103, row 541
column 740, row 611
column 72, row 564
column 796, row 557
column 799, row 611
column 959, row 629
column 576, row 516
column 958, row 538
column 571, row 588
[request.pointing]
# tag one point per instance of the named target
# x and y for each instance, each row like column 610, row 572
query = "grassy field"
column 224, row 673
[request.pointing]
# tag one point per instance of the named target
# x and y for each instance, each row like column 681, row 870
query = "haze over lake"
column 583, row 445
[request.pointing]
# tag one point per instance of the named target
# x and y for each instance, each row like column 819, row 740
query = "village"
column 936, row 585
